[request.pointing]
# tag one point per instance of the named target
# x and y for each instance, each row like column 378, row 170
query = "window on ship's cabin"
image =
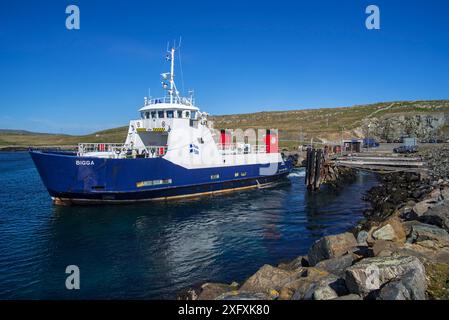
column 160, row 114
column 147, row 115
column 170, row 114
column 153, row 114
column 179, row 112
column 193, row 115
column 187, row 114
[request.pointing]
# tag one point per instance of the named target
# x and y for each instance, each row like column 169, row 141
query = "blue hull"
column 72, row 179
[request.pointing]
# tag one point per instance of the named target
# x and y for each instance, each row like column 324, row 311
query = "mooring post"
column 310, row 167
column 318, row 166
column 315, row 169
column 306, row 181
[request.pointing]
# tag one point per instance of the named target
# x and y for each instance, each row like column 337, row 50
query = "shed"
column 353, row 145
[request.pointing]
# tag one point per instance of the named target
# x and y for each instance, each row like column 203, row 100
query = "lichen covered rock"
column 330, row 247
column 372, row 273
column 268, row 278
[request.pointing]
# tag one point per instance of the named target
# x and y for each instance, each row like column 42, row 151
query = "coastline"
column 399, row 251
column 25, row 148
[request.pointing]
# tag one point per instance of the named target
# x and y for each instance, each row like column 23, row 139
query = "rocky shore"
column 400, row 251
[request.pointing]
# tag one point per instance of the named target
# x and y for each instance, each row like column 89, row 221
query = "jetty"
column 381, row 163
column 323, row 166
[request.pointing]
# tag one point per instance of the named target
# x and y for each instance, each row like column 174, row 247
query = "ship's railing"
column 178, row 100
column 233, row 148
column 98, row 147
column 120, row 150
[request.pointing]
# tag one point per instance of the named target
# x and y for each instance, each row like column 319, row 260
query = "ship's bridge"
column 168, row 108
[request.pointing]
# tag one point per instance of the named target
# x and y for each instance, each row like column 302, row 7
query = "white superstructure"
column 172, row 127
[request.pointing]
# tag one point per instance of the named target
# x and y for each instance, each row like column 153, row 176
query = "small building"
column 353, row 145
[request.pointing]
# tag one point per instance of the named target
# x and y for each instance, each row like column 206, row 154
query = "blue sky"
column 239, row 56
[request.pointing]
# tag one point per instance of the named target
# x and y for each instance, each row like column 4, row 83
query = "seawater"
column 154, row 250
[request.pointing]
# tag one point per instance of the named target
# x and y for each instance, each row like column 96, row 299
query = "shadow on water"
column 153, row 250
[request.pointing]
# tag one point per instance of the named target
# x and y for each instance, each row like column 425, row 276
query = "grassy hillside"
column 293, row 125
column 327, row 123
column 21, row 138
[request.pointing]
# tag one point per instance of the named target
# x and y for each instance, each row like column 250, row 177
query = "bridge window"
column 179, row 112
column 193, row 115
column 170, row 114
column 187, row 114
column 153, row 114
column 147, row 115
column 160, row 114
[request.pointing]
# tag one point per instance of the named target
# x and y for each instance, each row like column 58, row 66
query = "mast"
column 172, row 74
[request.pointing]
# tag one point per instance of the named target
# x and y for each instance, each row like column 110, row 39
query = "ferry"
column 171, row 152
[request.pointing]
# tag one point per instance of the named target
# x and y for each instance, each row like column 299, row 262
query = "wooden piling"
column 318, row 169
column 314, row 168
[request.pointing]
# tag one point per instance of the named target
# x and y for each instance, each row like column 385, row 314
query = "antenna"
column 180, row 65
column 191, row 94
column 172, row 72
column 170, row 76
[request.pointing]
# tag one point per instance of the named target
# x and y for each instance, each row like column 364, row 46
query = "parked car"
column 406, row 149
column 370, row 143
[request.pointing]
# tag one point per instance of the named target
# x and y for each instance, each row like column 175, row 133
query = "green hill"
column 324, row 124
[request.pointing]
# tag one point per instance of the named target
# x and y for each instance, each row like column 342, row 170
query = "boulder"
column 438, row 216
column 385, row 248
column 362, row 236
column 398, row 228
column 410, row 286
column 324, row 293
column 210, row 291
column 406, row 212
column 324, row 288
column 331, row 246
column 371, row 273
column 435, row 195
column 421, row 207
column 418, row 232
column 268, row 278
column 425, row 254
column 385, row 233
column 338, row 265
column 394, row 290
